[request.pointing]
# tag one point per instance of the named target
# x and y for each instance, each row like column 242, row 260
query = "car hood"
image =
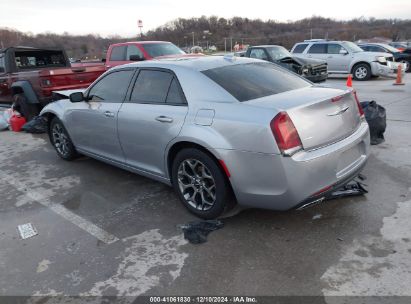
column 309, row 61
column 372, row 54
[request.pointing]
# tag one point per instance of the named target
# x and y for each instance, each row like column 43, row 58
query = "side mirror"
column 103, row 60
column 136, row 58
column 77, row 97
column 343, row 52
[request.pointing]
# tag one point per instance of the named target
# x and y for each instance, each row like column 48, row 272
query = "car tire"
column 361, row 72
column 28, row 110
column 201, row 184
column 61, row 141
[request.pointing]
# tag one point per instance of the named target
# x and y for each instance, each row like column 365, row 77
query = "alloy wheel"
column 60, row 140
column 361, row 72
column 197, row 185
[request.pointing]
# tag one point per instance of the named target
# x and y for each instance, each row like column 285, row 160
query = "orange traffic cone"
column 398, row 81
column 349, row 81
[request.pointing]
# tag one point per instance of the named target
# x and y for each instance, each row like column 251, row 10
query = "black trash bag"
column 37, row 125
column 196, row 232
column 376, row 119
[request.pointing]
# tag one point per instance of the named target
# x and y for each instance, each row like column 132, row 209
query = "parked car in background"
column 218, row 128
column 401, row 46
column 402, row 57
column 344, row 57
column 314, row 70
column 28, row 76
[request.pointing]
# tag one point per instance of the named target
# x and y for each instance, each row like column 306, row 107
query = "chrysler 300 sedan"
column 220, row 130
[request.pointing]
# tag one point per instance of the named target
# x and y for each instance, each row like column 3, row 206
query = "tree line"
column 221, row 32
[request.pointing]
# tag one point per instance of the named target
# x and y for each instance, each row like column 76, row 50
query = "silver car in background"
column 220, row 130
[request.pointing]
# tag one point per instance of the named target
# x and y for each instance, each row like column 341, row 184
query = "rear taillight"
column 45, row 82
column 360, row 110
column 285, row 134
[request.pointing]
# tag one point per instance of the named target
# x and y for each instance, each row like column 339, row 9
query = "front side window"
column 300, row 48
column 334, row 48
column 118, row 53
column 112, row 87
column 133, row 50
column 258, row 54
column 255, row 80
column 318, row 48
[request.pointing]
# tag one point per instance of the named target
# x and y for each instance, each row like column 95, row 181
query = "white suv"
column 344, row 57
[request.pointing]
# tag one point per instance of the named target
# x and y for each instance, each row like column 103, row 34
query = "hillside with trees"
column 222, row 33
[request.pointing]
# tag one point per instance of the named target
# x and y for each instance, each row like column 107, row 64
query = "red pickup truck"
column 122, row 53
column 29, row 75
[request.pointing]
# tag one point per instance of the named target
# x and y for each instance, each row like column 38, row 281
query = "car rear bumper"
column 273, row 181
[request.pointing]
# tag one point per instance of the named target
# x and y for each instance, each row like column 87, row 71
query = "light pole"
column 193, row 38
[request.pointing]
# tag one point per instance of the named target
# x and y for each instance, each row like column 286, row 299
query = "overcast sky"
column 119, row 17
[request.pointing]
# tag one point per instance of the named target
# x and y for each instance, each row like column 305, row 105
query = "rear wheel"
column 361, row 71
column 28, row 110
column 61, row 141
column 200, row 184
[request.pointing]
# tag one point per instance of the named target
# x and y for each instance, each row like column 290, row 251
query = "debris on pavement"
column 27, row 231
column 353, row 188
column 5, row 119
column 196, row 232
column 37, row 125
column 340, row 239
column 377, row 120
column 317, row 216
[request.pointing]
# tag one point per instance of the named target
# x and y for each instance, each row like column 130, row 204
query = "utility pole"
column 231, row 44
column 225, row 45
column 311, row 31
column 193, row 38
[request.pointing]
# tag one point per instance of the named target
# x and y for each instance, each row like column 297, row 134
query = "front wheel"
column 61, row 141
column 361, row 71
column 200, row 184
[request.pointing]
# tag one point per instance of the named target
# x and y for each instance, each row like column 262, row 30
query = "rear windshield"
column 255, row 80
column 29, row 59
column 162, row 49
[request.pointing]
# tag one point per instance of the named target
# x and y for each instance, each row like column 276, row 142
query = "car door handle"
column 108, row 114
column 164, row 119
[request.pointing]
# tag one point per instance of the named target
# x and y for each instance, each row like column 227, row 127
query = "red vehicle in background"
column 28, row 76
column 122, row 53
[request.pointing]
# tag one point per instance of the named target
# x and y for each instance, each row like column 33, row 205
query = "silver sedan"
column 220, row 130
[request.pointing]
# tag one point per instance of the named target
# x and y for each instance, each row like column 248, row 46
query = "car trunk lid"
column 321, row 115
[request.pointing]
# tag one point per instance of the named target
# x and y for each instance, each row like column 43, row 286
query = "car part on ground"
column 197, row 232
column 376, row 117
column 37, row 125
column 219, row 130
column 353, row 188
column 344, row 57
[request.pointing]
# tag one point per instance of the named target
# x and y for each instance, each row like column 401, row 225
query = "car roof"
column 267, row 45
column 201, row 63
column 322, row 41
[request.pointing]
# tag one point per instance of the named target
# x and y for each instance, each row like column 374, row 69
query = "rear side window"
column 157, row 87
column 318, row 48
column 2, row 64
column 300, row 48
column 118, row 53
column 112, row 88
column 255, row 80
